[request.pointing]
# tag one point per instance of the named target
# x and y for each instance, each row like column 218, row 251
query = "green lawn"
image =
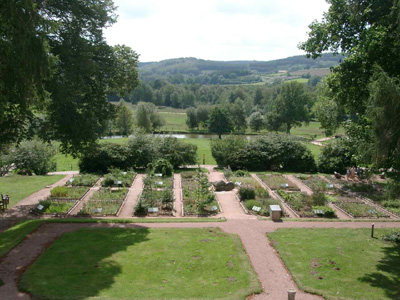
column 19, row 187
column 203, row 147
column 315, row 150
column 341, row 263
column 118, row 263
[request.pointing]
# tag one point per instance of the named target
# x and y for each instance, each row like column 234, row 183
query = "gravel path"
column 133, row 196
column 178, row 195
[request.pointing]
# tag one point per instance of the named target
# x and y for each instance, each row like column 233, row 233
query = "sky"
column 214, row 29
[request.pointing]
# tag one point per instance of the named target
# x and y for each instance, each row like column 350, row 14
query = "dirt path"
column 133, row 196
column 318, row 142
column 85, row 199
column 231, row 208
column 271, row 272
column 178, row 195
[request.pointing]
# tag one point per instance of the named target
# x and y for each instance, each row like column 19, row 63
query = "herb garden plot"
column 104, row 202
column 62, row 199
column 276, row 182
column 198, row 199
column 317, row 184
column 357, row 208
column 88, row 180
column 118, row 178
column 157, row 196
column 308, row 206
column 257, row 200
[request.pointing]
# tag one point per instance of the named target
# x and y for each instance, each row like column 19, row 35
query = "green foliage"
column 192, row 120
column 256, row 121
column 63, row 192
column 246, row 193
column 115, row 175
column 319, row 199
column 335, row 157
column 227, row 172
column 147, row 117
column 241, row 173
column 124, row 120
column 392, row 237
column 177, row 152
column 327, row 211
column 102, row 157
column 290, row 108
column 163, row 167
column 238, row 114
column 34, row 157
column 141, row 149
column 263, row 153
column 220, row 121
column 83, row 180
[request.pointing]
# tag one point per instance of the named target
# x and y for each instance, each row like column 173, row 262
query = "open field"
column 142, row 264
column 19, row 187
column 341, row 263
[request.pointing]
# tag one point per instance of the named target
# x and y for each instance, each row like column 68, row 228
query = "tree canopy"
column 220, row 121
column 57, row 70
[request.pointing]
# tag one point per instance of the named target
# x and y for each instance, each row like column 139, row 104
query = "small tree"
column 124, row 120
column 191, row 118
column 34, row 157
column 220, row 121
column 238, row 116
column 256, row 121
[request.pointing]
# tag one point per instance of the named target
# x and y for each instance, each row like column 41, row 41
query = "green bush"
column 335, row 157
column 392, row 237
column 267, row 152
column 228, row 172
column 34, row 157
column 328, row 212
column 250, row 203
column 241, row 173
column 177, row 152
column 163, row 166
column 246, row 193
column 102, row 157
column 319, row 199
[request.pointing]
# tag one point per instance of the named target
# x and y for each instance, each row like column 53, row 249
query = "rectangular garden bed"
column 197, row 197
column 104, row 202
column 276, row 182
column 88, row 180
column 257, row 201
column 317, row 184
column 305, row 206
column 67, row 193
column 118, row 178
column 157, row 196
column 357, row 208
column 57, row 207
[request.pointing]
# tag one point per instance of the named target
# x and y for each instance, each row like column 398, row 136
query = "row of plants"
column 361, row 210
column 157, row 193
column 198, row 199
column 67, row 193
column 88, row 180
column 257, row 200
column 56, row 207
column 308, row 206
column 104, row 202
column 118, row 178
column 276, row 182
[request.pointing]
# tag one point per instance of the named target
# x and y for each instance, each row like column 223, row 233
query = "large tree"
column 124, row 120
column 220, row 121
column 367, row 32
column 290, row 108
column 57, row 68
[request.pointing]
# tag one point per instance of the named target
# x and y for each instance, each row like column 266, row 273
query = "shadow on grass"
column 79, row 265
column 390, row 264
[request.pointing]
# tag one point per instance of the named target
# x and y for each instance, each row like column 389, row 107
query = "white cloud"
column 214, row 29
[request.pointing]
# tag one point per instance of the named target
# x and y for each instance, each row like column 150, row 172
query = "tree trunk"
column 288, row 127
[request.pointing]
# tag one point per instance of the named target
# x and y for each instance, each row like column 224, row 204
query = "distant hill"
column 193, row 70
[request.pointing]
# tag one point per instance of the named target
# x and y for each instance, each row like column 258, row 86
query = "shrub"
column 250, row 203
column 176, row 152
column 319, row 199
column 328, row 212
column 246, row 193
column 228, row 172
column 104, row 156
column 140, row 210
column 34, row 157
column 141, row 150
column 223, row 149
column 393, row 189
column 163, row 166
column 241, row 173
column 335, row 157
column 166, row 197
column 392, row 237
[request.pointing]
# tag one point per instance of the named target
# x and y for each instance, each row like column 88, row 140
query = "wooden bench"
column 4, row 201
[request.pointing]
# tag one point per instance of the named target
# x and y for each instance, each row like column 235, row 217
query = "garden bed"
column 104, row 202
column 276, row 182
column 157, row 193
column 307, row 206
column 258, row 202
column 57, row 207
column 88, row 180
column 118, row 178
column 197, row 197
column 67, row 193
column 317, row 184
column 359, row 209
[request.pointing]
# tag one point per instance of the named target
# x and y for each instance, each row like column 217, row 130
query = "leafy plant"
column 392, row 237
column 163, row 166
column 246, row 193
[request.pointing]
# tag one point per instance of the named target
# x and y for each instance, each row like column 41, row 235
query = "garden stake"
column 372, row 230
column 291, row 294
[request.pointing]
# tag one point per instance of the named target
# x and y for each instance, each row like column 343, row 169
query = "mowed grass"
column 19, row 187
column 341, row 263
column 203, row 147
column 116, row 263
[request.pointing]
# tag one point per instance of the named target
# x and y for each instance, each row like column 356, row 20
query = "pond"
column 180, row 136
